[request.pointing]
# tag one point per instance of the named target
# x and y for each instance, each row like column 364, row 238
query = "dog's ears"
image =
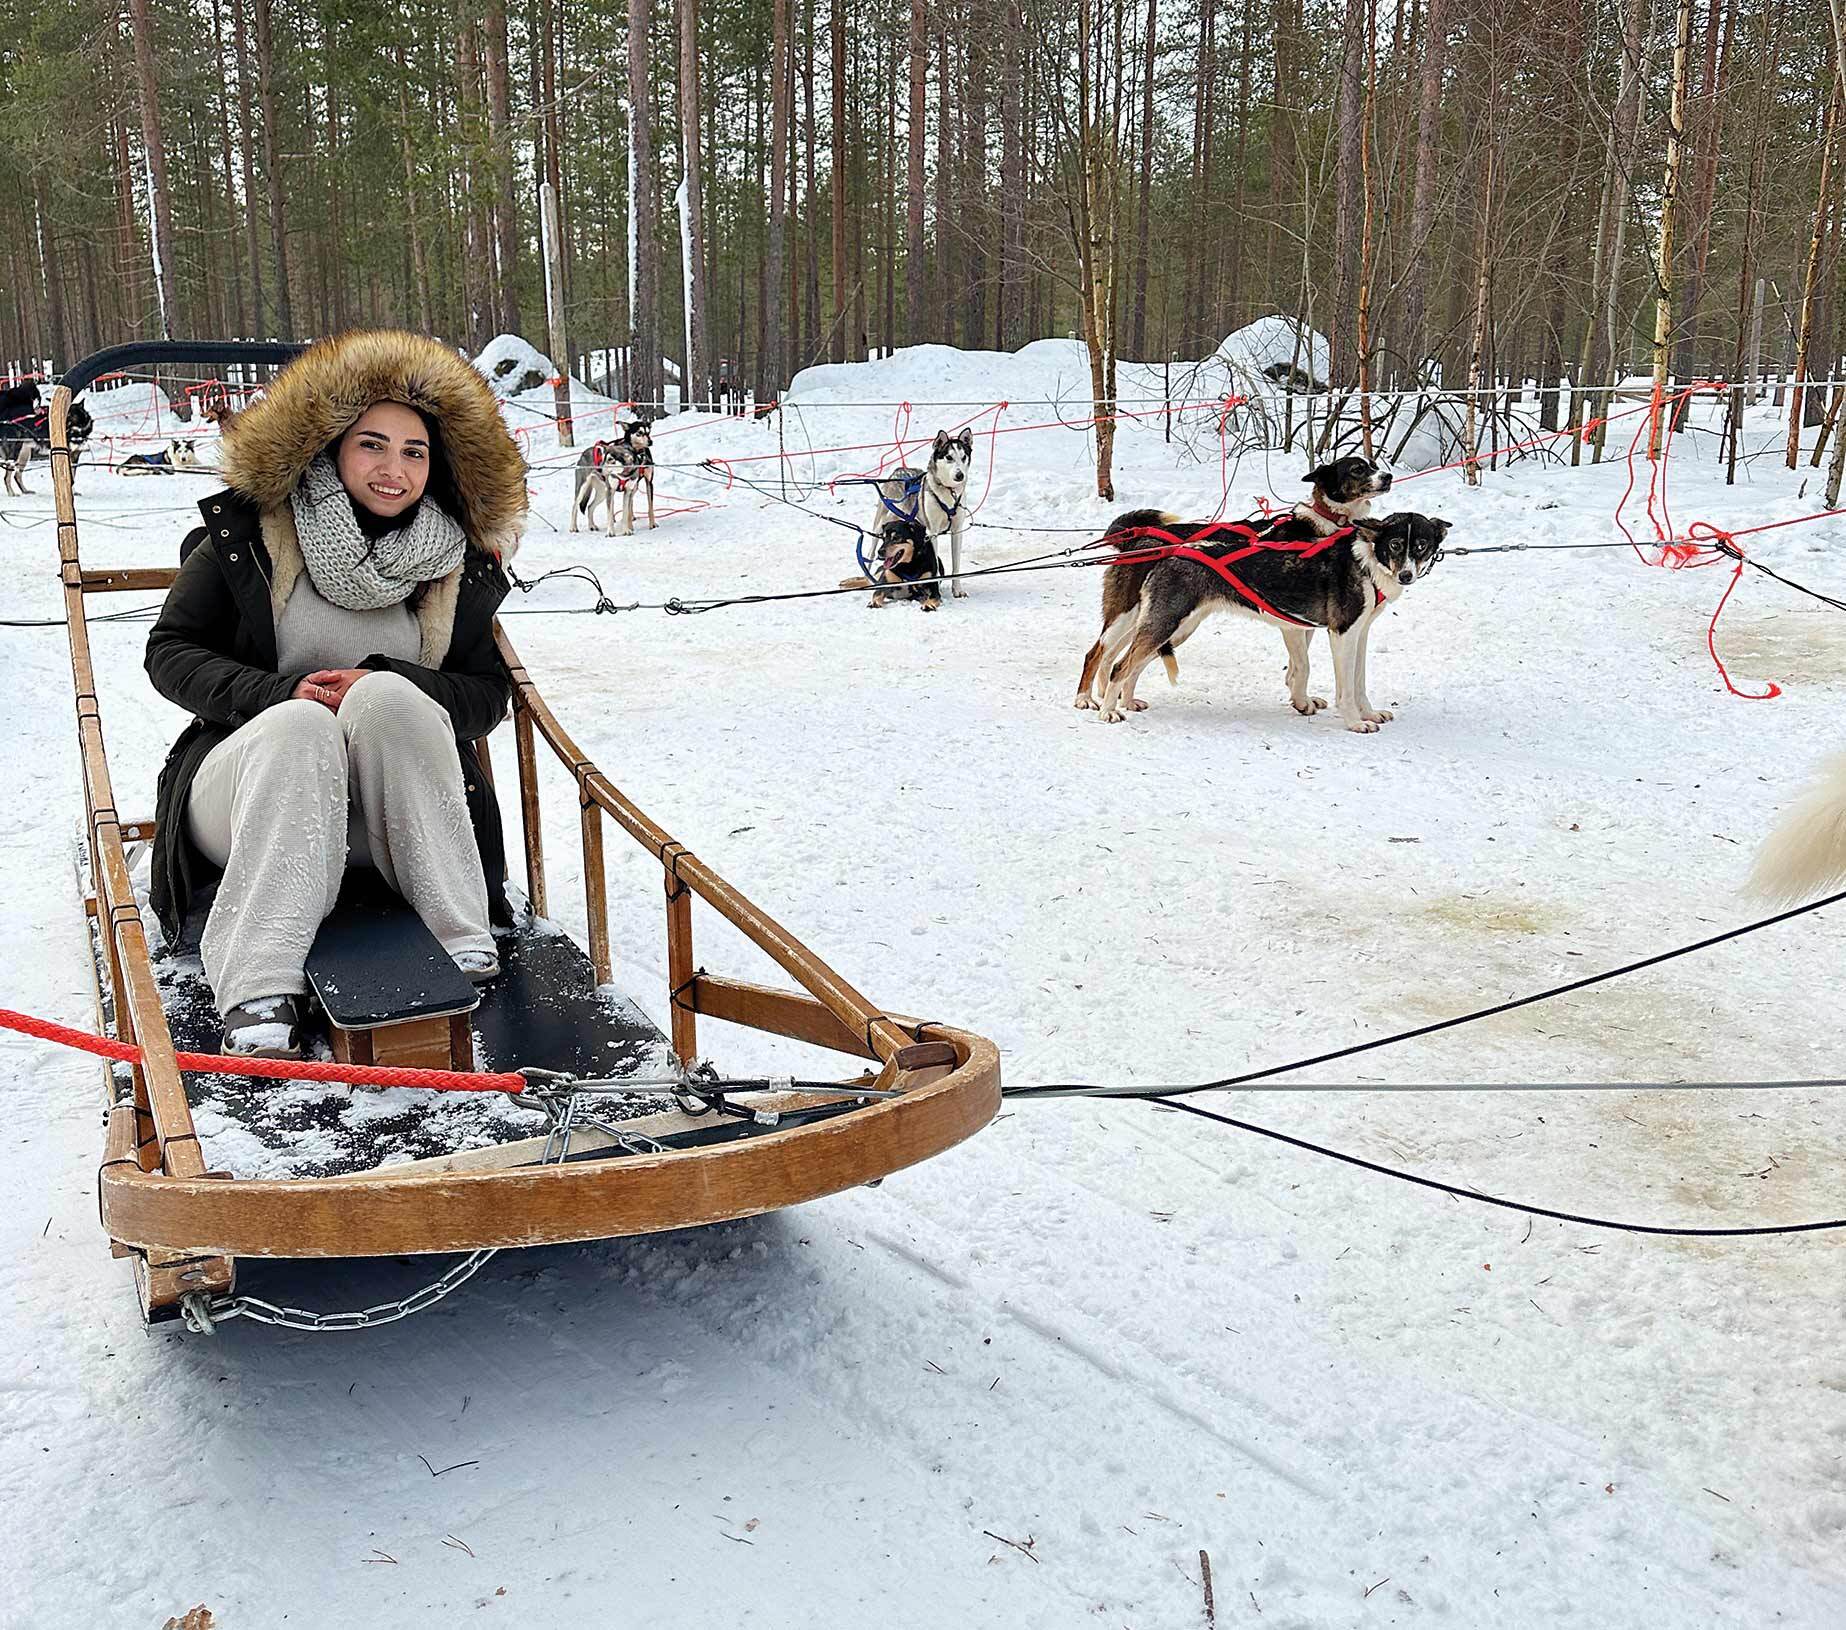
column 966, row 438
column 1317, row 472
column 1441, row 526
column 1370, row 525
column 942, row 442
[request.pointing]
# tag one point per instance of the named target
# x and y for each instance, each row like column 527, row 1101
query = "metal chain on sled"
column 564, row 1103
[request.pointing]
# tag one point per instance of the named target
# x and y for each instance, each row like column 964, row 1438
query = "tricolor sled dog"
column 1339, row 569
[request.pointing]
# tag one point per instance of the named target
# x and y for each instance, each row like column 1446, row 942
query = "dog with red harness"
column 612, row 469
column 1326, row 565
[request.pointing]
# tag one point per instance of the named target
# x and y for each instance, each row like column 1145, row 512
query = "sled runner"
column 332, row 1171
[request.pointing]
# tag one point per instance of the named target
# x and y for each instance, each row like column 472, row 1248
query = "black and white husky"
column 1325, row 565
column 612, row 468
column 934, row 497
column 25, row 428
column 176, row 455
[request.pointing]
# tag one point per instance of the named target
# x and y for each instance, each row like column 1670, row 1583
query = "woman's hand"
column 329, row 686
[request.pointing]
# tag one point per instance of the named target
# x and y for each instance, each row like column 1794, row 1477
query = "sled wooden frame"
column 185, row 1226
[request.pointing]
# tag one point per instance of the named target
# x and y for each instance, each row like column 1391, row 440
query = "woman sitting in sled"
column 331, row 632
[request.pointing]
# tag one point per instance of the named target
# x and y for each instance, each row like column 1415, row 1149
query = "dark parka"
column 213, row 649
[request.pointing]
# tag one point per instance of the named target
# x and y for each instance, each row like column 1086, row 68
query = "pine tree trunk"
column 1797, row 396
column 1417, row 252
column 242, row 321
column 419, row 258
column 1138, row 339
column 1013, row 134
column 946, row 283
column 973, row 171
column 272, row 164
column 1477, row 367
column 644, row 316
column 500, row 137
column 128, row 251
column 698, row 345
column 1669, row 199
column 1348, row 166
column 774, row 369
column 811, row 332
column 172, row 312
column 248, row 155
column 49, row 272
column 1232, row 317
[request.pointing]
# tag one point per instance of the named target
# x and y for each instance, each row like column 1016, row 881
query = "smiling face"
column 384, row 460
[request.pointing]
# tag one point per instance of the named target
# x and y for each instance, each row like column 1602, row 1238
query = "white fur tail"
column 1806, row 854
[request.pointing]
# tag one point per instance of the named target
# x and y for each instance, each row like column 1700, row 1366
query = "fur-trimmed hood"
column 320, row 395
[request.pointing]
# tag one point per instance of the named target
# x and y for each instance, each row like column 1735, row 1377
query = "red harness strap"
column 1173, row 547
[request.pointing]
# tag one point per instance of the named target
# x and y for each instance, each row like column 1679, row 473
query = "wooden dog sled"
column 419, row 1175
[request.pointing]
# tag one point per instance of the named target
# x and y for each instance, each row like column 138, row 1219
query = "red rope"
column 275, row 1069
column 1727, row 543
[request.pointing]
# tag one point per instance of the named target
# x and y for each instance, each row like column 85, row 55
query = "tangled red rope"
column 274, row 1069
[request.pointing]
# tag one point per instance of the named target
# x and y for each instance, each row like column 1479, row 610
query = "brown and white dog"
column 1150, row 606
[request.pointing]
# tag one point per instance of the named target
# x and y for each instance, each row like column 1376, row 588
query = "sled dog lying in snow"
column 1337, row 570
column 934, row 497
column 176, row 455
column 616, row 467
column 1806, row 854
column 907, row 560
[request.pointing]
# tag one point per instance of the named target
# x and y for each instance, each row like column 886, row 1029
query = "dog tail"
column 1170, row 663
column 1807, row 852
column 1131, row 521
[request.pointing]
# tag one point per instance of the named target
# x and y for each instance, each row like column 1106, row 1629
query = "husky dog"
column 176, row 455
column 25, row 428
column 907, row 561
column 934, row 497
column 1342, row 492
column 1296, row 580
column 617, row 465
column 1807, row 852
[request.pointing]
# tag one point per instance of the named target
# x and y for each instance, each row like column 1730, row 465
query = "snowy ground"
column 1113, row 1336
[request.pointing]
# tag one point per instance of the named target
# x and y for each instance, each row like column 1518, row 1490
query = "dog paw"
column 932, row 605
column 1136, row 706
column 1112, row 716
column 1085, row 700
column 959, row 592
column 1378, row 715
column 1364, row 727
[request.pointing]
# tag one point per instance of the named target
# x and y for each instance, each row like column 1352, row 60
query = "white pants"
column 282, row 806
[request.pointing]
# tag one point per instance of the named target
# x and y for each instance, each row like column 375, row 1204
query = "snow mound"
column 1276, row 351
column 513, row 366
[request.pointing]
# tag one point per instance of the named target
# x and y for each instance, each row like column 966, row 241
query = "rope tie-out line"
column 1479, row 1198
column 1224, row 1083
